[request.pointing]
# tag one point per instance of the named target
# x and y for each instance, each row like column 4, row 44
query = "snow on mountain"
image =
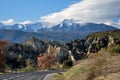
column 72, row 26
column 65, row 26
column 23, row 27
column 36, row 26
column 66, row 30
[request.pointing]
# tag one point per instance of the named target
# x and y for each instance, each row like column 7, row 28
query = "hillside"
column 99, row 66
column 62, row 54
column 20, row 36
column 100, row 58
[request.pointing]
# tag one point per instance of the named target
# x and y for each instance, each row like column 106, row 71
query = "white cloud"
column 8, row 22
column 116, row 24
column 26, row 22
column 87, row 11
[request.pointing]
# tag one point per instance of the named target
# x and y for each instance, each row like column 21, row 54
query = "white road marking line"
column 13, row 77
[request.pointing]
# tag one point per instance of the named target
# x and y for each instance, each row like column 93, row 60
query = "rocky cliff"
column 93, row 43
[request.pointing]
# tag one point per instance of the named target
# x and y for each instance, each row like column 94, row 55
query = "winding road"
column 27, row 76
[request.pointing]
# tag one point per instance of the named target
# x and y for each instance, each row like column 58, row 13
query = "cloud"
column 116, row 24
column 8, row 22
column 26, row 22
column 12, row 22
column 87, row 11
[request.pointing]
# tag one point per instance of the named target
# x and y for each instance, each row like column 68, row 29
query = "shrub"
column 115, row 49
column 46, row 61
column 67, row 64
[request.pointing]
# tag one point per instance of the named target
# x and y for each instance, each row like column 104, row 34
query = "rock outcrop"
column 37, row 44
column 93, row 43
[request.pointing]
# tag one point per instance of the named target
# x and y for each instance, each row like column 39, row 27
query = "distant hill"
column 20, row 36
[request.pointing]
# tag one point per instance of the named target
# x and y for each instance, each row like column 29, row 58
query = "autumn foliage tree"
column 47, row 59
column 2, row 55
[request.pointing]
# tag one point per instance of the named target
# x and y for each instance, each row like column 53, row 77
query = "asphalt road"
column 27, row 76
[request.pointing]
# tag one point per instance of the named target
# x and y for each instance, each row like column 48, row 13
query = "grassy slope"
column 98, row 66
column 104, row 65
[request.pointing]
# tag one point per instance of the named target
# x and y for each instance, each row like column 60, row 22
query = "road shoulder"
column 49, row 76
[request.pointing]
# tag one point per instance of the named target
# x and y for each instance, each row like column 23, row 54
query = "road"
column 27, row 76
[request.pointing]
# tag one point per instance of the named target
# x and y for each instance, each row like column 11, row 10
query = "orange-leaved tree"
column 47, row 59
column 2, row 54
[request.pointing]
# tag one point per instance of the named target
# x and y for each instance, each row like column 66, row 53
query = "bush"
column 67, row 64
column 45, row 61
column 115, row 49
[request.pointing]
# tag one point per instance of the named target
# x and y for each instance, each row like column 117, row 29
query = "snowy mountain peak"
column 20, row 26
column 68, row 22
column 68, row 25
column 71, row 22
column 81, row 23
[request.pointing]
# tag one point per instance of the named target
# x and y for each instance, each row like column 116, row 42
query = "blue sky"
column 52, row 12
column 21, row 10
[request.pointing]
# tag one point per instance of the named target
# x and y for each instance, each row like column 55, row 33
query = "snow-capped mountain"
column 66, row 30
column 23, row 27
column 68, row 26
column 36, row 26
column 72, row 26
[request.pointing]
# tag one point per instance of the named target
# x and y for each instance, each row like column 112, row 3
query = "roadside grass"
column 20, row 70
column 97, row 64
column 114, row 50
column 26, row 70
column 58, row 76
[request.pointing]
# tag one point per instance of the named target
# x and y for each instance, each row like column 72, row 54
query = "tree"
column 47, row 60
column 2, row 55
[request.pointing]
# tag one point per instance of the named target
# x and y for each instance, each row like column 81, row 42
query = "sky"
column 55, row 11
column 21, row 10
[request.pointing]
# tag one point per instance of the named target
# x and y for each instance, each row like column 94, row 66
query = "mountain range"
column 66, row 30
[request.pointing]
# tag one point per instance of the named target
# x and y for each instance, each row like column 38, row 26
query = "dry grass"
column 100, row 64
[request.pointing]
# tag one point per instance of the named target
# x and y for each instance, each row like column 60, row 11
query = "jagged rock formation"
column 47, row 59
column 37, row 44
column 93, row 43
column 80, row 49
column 18, row 54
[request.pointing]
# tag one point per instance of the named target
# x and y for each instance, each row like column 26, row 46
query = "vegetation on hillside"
column 98, row 66
column 40, row 54
column 102, row 61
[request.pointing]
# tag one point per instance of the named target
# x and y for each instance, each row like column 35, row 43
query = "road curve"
column 27, row 76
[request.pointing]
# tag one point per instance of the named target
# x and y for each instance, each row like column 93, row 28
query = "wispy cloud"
column 87, row 11
column 113, row 23
column 12, row 22
column 8, row 22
